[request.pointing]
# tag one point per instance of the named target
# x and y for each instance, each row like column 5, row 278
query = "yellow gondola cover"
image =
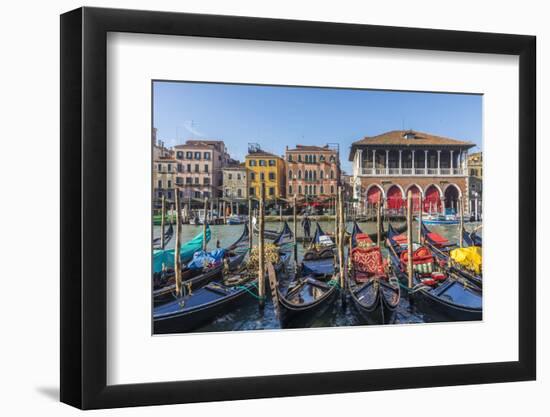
column 469, row 257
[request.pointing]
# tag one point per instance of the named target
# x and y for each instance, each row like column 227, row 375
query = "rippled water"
column 249, row 316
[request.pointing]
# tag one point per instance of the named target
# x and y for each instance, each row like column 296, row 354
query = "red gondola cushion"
column 440, row 240
column 363, row 237
column 368, row 263
column 438, row 276
column 420, row 256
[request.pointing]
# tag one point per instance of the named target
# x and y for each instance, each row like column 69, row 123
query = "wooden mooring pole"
column 409, row 240
column 261, row 250
column 250, row 230
column 461, row 231
column 163, row 210
column 177, row 246
column 378, row 220
column 295, row 226
column 204, row 224
column 341, row 237
column 420, row 218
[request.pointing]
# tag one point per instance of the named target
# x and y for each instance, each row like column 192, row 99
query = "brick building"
column 312, row 171
column 388, row 165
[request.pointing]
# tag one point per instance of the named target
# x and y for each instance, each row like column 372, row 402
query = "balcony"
column 417, row 172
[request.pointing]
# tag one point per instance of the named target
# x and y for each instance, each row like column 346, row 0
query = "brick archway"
column 395, row 197
column 375, row 193
column 432, row 199
column 452, row 195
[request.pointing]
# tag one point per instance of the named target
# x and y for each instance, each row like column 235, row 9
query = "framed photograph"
column 257, row 208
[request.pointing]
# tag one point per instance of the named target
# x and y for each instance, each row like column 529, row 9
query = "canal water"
column 249, row 317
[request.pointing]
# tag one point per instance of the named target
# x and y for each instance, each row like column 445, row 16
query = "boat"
column 167, row 236
column 196, row 273
column 471, row 238
column 441, row 248
column 164, row 258
column 234, row 219
column 372, row 286
column 299, row 298
column 318, row 260
column 217, row 298
column 268, row 234
column 434, row 288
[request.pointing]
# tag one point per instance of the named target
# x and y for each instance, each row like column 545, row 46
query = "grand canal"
column 249, row 317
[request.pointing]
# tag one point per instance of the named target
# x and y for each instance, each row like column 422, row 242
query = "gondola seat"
column 423, row 260
column 437, row 239
column 368, row 263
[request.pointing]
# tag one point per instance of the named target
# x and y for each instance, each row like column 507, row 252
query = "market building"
column 265, row 168
column 312, row 171
column 387, row 166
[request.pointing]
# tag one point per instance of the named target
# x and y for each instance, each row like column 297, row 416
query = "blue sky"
column 278, row 116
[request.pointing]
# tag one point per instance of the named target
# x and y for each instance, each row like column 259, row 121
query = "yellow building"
column 267, row 168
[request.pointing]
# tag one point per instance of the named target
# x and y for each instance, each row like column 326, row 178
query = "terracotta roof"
column 239, row 167
column 194, row 145
column 300, row 148
column 416, row 139
column 261, row 154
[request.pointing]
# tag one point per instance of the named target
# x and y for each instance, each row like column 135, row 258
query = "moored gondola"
column 163, row 259
column 441, row 248
column 471, row 238
column 372, row 286
column 435, row 288
column 168, row 233
column 217, row 297
column 204, row 267
column 318, row 260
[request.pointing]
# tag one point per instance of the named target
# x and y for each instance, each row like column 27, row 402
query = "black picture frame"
column 84, row 207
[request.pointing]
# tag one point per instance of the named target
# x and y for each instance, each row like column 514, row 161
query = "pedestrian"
column 306, row 224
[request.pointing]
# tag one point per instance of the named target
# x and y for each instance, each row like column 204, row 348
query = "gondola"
column 441, row 248
column 231, row 258
column 471, row 239
column 163, row 259
column 372, row 286
column 217, row 297
column 300, row 298
column 167, row 236
column 319, row 258
column 268, row 234
column 435, row 288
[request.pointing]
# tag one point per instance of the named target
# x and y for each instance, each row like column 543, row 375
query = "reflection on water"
column 248, row 316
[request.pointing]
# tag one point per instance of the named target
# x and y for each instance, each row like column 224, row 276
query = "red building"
column 388, row 165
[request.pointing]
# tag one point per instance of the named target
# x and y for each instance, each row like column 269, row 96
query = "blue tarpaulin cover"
column 202, row 258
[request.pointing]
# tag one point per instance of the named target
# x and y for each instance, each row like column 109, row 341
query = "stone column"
column 452, row 162
column 438, row 162
column 412, row 163
column 387, row 160
column 360, row 162
column 426, row 162
column 374, row 160
column 400, row 164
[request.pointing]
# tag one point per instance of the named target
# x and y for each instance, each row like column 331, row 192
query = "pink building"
column 312, row 171
column 199, row 168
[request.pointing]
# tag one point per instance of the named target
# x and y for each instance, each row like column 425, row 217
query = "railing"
column 430, row 172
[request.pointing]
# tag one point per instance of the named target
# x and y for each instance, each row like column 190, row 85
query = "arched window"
column 314, row 175
column 290, row 189
column 289, row 174
column 314, row 189
column 332, row 189
column 331, row 174
column 300, row 175
column 322, row 189
column 321, row 174
column 299, row 189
